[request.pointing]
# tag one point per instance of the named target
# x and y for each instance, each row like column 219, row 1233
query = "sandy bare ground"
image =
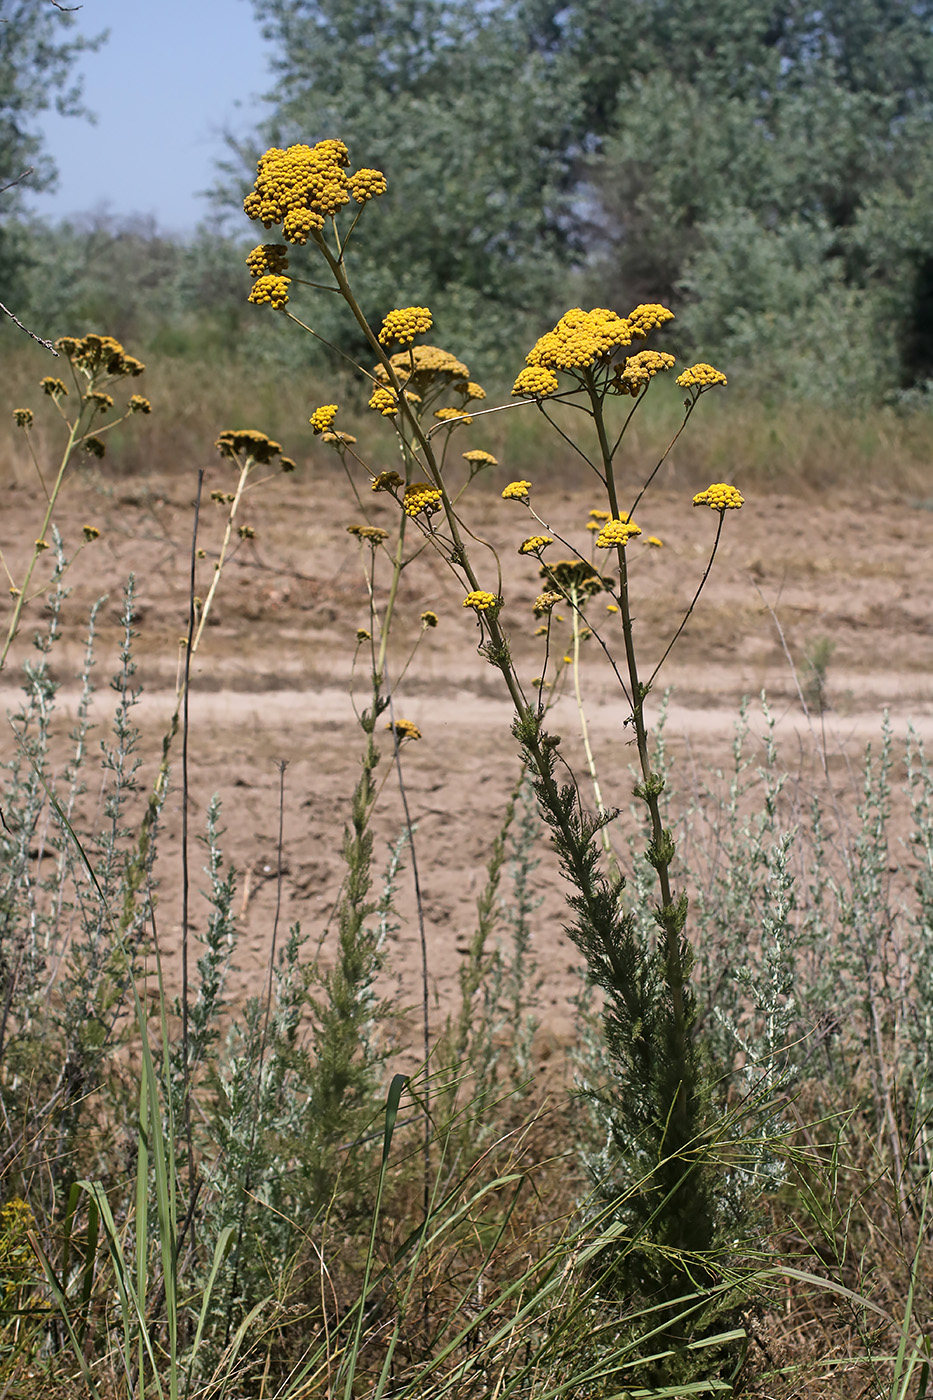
column 275, row 680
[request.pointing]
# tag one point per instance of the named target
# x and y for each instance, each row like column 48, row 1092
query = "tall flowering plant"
column 661, row 1114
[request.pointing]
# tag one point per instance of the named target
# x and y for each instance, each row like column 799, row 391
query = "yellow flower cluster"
column 632, row 376
column 516, row 491
column 616, row 532
column 95, row 353
column 579, row 339
column 573, row 575
column 480, row 600
column 453, row 415
column 535, row 381
column 384, row 401
column 102, row 401
column 299, row 224
column 55, row 388
column 545, row 602
column 373, row 533
column 340, row 439
column 654, row 542
column 137, row 404
column 90, row 532
column 429, row 618
column 405, row 729
column 23, row 417
column 421, row 496
column 470, row 390
column 478, row 458
column 268, row 258
column 401, row 326
column 421, row 365
column 720, row 497
column 534, row 544
column 386, row 481
column 234, row 442
column 298, row 187
column 270, row 290
column 322, row 419
column 367, row 184
column 701, row 376
column 648, row 317
column 94, row 447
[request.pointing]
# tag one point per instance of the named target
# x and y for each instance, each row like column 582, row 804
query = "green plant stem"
column 584, row 729
column 661, row 849
column 73, row 437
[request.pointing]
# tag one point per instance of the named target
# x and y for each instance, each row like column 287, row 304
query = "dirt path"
column 272, row 682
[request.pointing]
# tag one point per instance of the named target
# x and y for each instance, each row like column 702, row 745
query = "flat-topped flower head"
column 453, row 416
column 90, row 532
column 546, row 601
column 654, row 542
column 271, row 258
column 421, row 497
column 429, row 618
column 470, row 390
column 421, row 366
column 309, row 179
column 580, row 340
column 700, row 377
column 373, row 534
column 616, row 532
column 478, row 458
column 322, row 418
column 535, row 382
column 384, row 401
column 638, row 370
column 103, row 402
column 481, row 601
column 270, row 291
column 573, row 576
column 401, row 326
column 137, row 404
column 386, row 481
column 367, row 184
column 247, row 442
column 647, row 317
column 95, row 354
column 299, row 224
column 720, row 496
column 516, row 491
column 534, row 544
column 23, row 417
column 404, row 729
column 55, row 388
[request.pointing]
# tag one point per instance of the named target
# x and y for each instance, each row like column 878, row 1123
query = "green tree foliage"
column 785, row 140
column 37, row 56
column 474, row 116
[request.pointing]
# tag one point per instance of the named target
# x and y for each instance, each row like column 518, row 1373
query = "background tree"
column 474, row 114
column 37, row 58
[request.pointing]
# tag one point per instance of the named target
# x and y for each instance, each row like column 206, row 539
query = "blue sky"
column 171, row 78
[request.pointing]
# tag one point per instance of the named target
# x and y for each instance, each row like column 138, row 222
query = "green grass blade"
column 62, row 1305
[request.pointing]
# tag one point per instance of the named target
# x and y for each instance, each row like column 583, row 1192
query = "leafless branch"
column 17, row 322
column 4, row 188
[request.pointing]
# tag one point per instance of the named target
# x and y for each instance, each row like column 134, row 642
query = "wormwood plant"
column 663, row 1120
